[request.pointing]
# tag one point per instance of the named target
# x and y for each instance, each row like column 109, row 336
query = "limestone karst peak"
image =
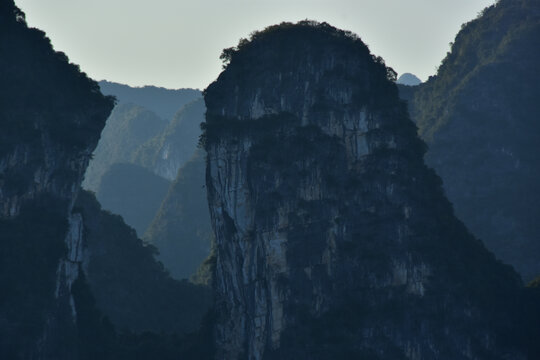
column 333, row 239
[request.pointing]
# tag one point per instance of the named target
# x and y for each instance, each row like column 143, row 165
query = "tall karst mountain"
column 333, row 239
column 479, row 116
column 51, row 116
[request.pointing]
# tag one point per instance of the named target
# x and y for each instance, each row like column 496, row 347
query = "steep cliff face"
column 333, row 239
column 51, row 115
column 479, row 116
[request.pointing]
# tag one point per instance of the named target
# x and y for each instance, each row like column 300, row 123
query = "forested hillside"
column 181, row 229
column 479, row 116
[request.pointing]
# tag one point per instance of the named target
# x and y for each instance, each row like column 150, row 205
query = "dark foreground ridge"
column 333, row 239
column 64, row 267
column 51, row 116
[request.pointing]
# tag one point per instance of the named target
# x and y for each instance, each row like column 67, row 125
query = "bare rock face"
column 333, row 239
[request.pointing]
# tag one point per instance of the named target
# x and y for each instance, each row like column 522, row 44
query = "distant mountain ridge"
column 164, row 102
column 408, row 79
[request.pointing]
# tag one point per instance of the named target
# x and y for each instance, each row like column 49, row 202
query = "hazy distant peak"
column 164, row 102
column 408, row 79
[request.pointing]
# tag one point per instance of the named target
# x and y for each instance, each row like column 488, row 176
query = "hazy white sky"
column 177, row 43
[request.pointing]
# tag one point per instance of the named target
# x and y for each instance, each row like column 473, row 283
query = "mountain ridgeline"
column 333, row 239
column 479, row 118
column 163, row 102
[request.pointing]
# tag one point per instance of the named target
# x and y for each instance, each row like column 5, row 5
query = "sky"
column 177, row 43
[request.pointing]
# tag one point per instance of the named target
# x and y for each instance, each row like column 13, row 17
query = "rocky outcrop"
column 333, row 239
column 51, row 117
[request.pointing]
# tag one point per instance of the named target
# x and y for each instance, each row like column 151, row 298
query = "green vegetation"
column 129, row 285
column 259, row 60
column 181, row 229
column 30, row 249
column 324, row 33
column 479, row 117
column 128, row 306
column 503, row 37
column 217, row 127
column 98, row 339
column 535, row 283
column 42, row 91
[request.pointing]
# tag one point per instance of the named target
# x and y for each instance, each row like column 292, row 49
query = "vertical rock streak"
column 68, row 268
